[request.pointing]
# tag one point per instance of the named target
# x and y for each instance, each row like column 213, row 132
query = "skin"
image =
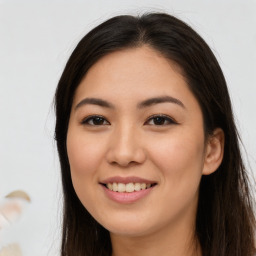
column 127, row 142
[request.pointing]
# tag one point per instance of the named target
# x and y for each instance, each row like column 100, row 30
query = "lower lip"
column 125, row 197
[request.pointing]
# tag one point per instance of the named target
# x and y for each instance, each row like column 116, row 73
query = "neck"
column 177, row 241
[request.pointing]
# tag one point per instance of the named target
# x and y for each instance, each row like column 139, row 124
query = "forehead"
column 133, row 74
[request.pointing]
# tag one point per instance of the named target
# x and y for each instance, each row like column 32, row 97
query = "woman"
column 148, row 147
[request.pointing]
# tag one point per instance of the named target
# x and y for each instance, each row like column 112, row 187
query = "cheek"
column 83, row 154
column 180, row 159
column 84, row 159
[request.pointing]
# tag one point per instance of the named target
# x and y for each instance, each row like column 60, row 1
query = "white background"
column 36, row 38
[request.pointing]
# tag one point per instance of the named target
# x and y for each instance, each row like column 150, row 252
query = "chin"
column 129, row 228
column 128, row 231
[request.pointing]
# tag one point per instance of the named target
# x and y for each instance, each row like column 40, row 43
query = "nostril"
column 126, row 155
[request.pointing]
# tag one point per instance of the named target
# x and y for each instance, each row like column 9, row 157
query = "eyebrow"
column 143, row 104
column 94, row 101
column 157, row 100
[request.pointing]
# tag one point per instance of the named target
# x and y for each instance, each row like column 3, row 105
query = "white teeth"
column 137, row 187
column 121, row 187
column 129, row 187
column 115, row 188
column 143, row 186
column 110, row 186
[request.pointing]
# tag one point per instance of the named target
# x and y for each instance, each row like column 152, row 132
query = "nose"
column 126, row 148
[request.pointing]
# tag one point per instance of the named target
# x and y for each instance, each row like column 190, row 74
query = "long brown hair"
column 225, row 221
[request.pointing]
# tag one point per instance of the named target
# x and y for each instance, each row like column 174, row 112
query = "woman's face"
column 136, row 128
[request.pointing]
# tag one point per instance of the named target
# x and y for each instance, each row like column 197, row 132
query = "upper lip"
column 126, row 180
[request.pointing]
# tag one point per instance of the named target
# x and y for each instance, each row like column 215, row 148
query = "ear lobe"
column 214, row 151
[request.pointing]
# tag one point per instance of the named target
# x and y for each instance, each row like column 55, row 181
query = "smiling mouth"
column 128, row 188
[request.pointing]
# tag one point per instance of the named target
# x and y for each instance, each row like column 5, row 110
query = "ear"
column 214, row 151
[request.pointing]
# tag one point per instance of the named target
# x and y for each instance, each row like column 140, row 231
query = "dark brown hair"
column 225, row 221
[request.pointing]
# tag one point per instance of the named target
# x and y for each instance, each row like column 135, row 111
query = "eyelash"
column 93, row 118
column 163, row 117
column 102, row 119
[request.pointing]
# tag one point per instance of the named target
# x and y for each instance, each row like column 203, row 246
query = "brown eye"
column 160, row 120
column 95, row 120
